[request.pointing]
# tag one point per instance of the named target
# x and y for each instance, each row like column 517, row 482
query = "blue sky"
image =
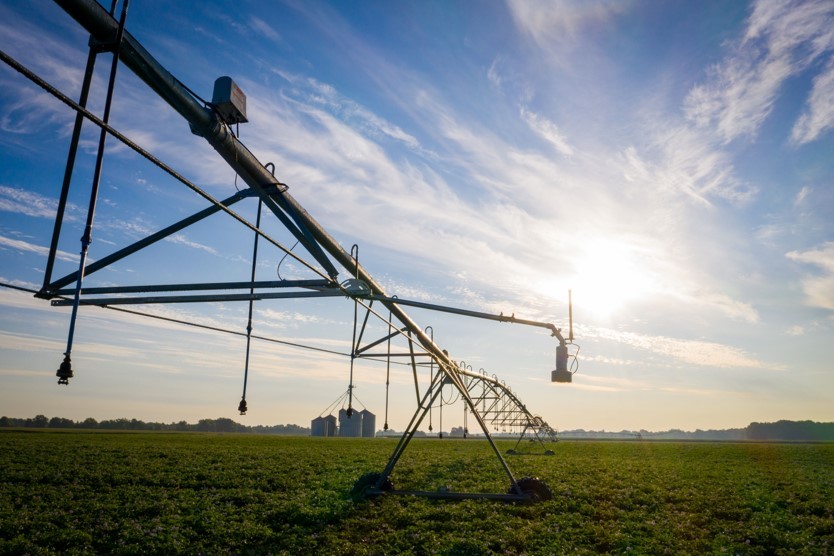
column 669, row 162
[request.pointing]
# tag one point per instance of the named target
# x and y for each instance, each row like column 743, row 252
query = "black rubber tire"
column 366, row 482
column 535, row 489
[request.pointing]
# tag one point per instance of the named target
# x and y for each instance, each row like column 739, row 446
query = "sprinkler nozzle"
column 64, row 372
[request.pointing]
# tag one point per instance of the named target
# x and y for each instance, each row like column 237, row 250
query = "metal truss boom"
column 205, row 122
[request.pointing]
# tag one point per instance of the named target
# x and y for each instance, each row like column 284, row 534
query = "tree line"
column 784, row 431
column 797, row 431
column 791, row 430
column 203, row 425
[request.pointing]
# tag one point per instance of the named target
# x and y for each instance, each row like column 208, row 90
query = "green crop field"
column 166, row 493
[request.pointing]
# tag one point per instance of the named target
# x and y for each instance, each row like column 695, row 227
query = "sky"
column 670, row 163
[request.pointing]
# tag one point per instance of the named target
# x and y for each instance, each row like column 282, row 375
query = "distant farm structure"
column 356, row 424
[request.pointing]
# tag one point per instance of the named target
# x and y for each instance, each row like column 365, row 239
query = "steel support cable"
column 37, row 80
column 329, row 409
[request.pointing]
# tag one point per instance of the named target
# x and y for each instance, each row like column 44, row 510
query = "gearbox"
column 229, row 101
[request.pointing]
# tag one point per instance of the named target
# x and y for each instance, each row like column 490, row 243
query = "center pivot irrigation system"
column 488, row 400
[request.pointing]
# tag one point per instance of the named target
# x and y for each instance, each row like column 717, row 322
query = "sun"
column 608, row 274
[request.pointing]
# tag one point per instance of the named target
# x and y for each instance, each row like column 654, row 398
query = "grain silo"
column 330, row 425
column 323, row 426
column 317, row 427
column 350, row 425
column 368, row 424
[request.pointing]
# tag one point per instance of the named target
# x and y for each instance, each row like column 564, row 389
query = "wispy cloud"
column 10, row 341
column 181, row 239
column 692, row 352
column 796, row 330
column 558, row 24
column 284, row 319
column 818, row 118
column 494, row 73
column 263, row 28
column 782, row 40
column 25, row 246
column 514, row 191
column 310, row 91
column 547, row 130
column 686, row 162
column 736, row 310
column 819, row 289
column 801, row 196
column 38, row 111
column 614, row 361
column 139, row 227
column 739, row 96
column 61, row 64
column 30, row 203
column 616, row 384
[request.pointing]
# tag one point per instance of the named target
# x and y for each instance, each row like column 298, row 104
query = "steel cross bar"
column 101, row 301
column 476, row 314
column 381, row 340
column 203, row 286
column 383, row 355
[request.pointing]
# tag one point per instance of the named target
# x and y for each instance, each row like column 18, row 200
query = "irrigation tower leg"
column 64, row 372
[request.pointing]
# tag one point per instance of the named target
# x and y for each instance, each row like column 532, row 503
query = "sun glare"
column 607, row 275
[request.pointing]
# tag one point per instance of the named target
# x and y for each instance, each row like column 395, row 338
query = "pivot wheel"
column 368, row 482
column 535, row 489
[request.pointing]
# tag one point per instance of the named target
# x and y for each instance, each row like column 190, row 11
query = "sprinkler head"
column 242, row 407
column 561, row 375
column 64, row 372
